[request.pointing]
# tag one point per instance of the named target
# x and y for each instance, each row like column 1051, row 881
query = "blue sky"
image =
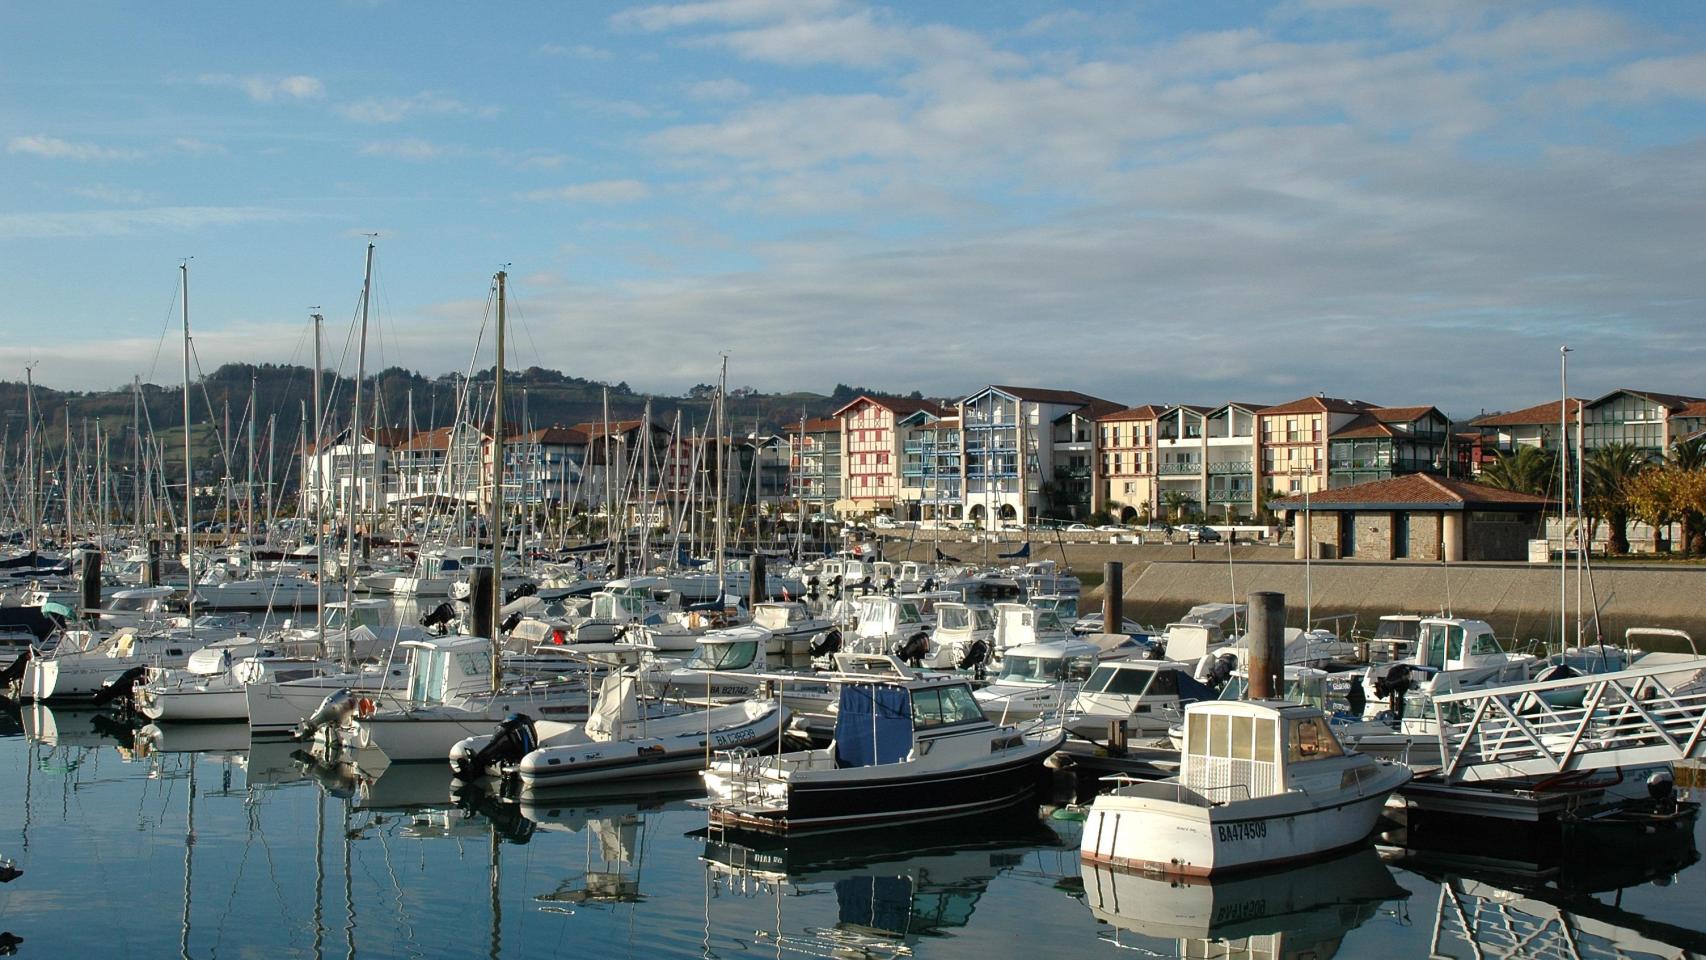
column 1153, row 202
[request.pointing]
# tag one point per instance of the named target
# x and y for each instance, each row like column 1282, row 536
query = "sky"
column 1146, row 201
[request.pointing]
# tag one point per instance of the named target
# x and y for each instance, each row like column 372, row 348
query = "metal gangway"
column 1652, row 713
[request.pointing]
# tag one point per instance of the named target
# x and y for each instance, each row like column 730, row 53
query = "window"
column 1310, row 739
column 944, row 706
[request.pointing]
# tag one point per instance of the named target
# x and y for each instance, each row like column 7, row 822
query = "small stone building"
column 1415, row 517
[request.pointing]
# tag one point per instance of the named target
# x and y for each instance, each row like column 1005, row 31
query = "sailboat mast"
column 1563, row 493
column 136, row 437
column 31, row 494
column 355, row 447
column 249, row 480
column 722, row 482
column 495, row 521
column 319, row 491
column 189, row 462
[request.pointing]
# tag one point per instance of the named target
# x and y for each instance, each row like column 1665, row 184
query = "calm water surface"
column 204, row 847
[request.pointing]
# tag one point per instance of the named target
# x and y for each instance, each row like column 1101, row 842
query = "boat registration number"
column 1245, row 830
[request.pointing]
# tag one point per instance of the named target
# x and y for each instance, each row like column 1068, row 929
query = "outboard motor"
column 121, row 687
column 825, row 644
column 1393, row 685
column 913, row 648
column 929, row 585
column 866, row 586
column 813, row 587
column 975, row 657
column 835, row 585
column 510, row 622
column 439, row 617
column 889, row 586
column 15, row 672
column 1216, row 671
column 514, row 738
column 1661, row 787
column 524, row 590
column 331, row 712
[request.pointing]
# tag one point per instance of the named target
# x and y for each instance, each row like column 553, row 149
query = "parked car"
column 1110, row 528
column 1080, row 528
column 1156, row 526
column 1197, row 533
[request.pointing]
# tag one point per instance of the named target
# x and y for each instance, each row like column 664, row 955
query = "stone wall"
column 1425, row 535
column 1498, row 536
column 1373, row 535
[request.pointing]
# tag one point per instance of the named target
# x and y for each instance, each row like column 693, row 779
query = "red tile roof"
column 819, row 425
column 1364, row 426
column 1318, row 404
column 1538, row 415
column 1671, row 401
column 1416, row 490
column 555, row 436
column 1695, row 409
column 1403, row 414
column 1148, row 411
column 900, row 406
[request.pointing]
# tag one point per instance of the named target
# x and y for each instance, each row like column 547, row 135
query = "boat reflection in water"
column 613, row 854
column 1294, row 912
column 892, row 885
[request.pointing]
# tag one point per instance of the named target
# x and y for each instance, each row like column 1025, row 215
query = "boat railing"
column 1629, row 717
column 1174, row 790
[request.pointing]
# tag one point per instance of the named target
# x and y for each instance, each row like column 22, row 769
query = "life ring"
column 364, row 707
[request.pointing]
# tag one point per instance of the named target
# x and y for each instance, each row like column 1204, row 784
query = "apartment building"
column 1181, row 459
column 1293, row 441
column 1651, row 421
column 1387, row 442
column 871, row 451
column 329, row 484
column 1536, row 426
column 1125, row 443
column 545, row 466
column 930, row 480
column 1027, row 451
column 814, row 461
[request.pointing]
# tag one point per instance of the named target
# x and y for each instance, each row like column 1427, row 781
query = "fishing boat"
column 1145, row 695
column 623, row 738
column 1261, row 782
column 1038, row 679
column 906, row 746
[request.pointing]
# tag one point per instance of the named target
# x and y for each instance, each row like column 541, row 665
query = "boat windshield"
column 1128, row 682
column 951, row 617
column 1398, row 630
column 723, row 656
column 131, row 604
column 1018, row 669
column 944, row 706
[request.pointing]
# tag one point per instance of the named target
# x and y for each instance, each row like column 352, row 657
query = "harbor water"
column 191, row 842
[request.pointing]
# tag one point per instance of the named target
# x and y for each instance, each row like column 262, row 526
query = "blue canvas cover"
column 873, row 725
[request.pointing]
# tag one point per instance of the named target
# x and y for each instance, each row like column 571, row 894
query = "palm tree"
column 1178, row 503
column 1608, row 472
column 1525, row 470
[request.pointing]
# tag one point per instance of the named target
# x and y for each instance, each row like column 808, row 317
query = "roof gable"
column 1417, row 491
column 1318, row 404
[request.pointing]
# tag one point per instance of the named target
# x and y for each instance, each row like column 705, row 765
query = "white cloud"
column 577, row 51
column 398, row 109
column 109, row 193
column 597, row 191
column 267, row 89
column 53, row 148
column 409, row 148
column 725, row 88
column 671, row 16
column 107, row 223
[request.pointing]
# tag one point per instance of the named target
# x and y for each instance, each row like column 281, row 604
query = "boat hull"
column 846, row 802
column 551, row 767
column 1193, row 840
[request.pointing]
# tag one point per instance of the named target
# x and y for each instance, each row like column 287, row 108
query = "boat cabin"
column 1018, row 625
column 882, row 617
column 448, row 667
column 1122, row 688
column 782, row 617
column 357, row 614
column 963, row 621
column 1394, row 638
column 887, row 721
column 734, row 648
column 1452, row 644
column 1044, row 664
column 1245, row 749
column 1063, row 607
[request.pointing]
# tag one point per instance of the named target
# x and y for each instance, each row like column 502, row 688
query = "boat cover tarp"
column 32, row 619
column 873, row 725
column 1018, row 554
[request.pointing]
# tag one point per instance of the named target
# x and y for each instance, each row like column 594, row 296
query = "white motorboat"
column 907, row 746
column 1038, row 679
column 448, row 698
column 281, row 590
column 963, row 637
column 83, row 662
column 1261, row 782
column 726, row 663
column 791, row 626
column 622, row 739
column 1146, row 695
column 136, row 607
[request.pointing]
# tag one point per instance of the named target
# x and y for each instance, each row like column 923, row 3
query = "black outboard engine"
column 866, row 586
column 835, row 585
column 15, row 672
column 975, row 657
column 827, row 643
column 1221, row 671
column 514, row 738
column 929, row 585
column 525, row 590
column 1393, row 685
column 913, row 648
column 337, row 706
column 813, row 587
column 510, row 622
column 439, row 617
column 889, row 586
column 121, row 687
column 1661, row 787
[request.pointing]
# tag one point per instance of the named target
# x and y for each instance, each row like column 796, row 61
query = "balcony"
column 1228, row 466
column 1228, row 496
column 1180, row 469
